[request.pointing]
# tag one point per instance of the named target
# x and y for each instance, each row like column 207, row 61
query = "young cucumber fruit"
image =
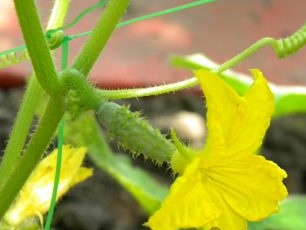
column 134, row 133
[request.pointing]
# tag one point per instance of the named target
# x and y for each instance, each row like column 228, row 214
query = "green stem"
column 20, row 53
column 57, row 174
column 27, row 109
column 80, row 16
column 288, row 99
column 100, row 35
column 61, row 126
column 282, row 47
column 166, row 11
column 29, row 103
column 245, row 54
column 188, row 83
column 16, row 177
column 144, row 92
column 37, row 46
column 21, row 128
column 150, row 16
column 58, row 14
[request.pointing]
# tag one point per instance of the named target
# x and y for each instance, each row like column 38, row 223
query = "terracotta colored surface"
column 138, row 54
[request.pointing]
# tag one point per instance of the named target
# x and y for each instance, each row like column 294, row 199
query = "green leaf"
column 289, row 100
column 292, row 216
column 139, row 183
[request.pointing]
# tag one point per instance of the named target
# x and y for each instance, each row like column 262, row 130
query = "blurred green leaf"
column 140, row 184
column 292, row 216
column 289, row 100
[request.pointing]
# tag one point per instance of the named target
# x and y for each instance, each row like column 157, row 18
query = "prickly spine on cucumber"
column 134, row 133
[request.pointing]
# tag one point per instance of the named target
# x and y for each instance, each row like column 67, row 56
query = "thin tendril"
column 20, row 53
column 282, row 47
column 152, row 15
column 61, row 126
column 80, row 16
column 6, row 55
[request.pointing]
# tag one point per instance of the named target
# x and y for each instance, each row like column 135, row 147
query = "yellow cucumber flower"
column 225, row 184
column 34, row 198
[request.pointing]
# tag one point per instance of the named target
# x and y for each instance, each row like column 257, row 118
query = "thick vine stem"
column 58, row 14
column 21, row 127
column 37, row 46
column 12, row 182
column 100, row 35
column 28, row 105
column 25, row 115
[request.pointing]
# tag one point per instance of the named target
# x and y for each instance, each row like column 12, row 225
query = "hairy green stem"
column 144, row 92
column 37, row 46
column 58, row 14
column 188, row 83
column 100, row 35
column 30, row 100
column 27, row 109
column 14, row 180
column 21, row 128
column 245, row 54
column 31, row 97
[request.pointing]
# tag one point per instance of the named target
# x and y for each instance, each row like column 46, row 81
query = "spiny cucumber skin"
column 134, row 133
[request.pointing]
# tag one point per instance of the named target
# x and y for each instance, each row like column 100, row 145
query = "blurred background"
column 138, row 55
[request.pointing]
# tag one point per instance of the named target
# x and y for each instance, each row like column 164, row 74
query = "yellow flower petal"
column 81, row 175
column 226, row 185
column 251, row 185
column 228, row 219
column 188, row 203
column 34, row 198
column 194, row 201
column 244, row 120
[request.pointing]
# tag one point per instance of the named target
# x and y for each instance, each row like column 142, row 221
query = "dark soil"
column 101, row 204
